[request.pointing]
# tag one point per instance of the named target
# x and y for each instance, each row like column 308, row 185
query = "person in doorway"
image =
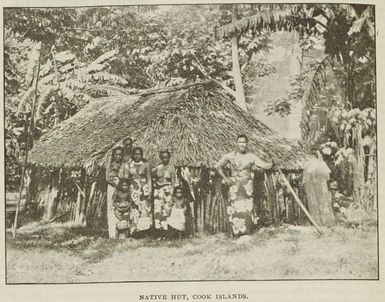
column 241, row 164
column 316, row 175
column 140, row 189
column 164, row 176
column 177, row 220
column 113, row 171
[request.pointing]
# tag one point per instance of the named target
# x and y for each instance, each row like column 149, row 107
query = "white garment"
column 177, row 219
column 111, row 218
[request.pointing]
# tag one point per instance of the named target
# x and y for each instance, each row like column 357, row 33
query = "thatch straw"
column 199, row 123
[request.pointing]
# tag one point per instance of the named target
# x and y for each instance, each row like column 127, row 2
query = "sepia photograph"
column 194, row 142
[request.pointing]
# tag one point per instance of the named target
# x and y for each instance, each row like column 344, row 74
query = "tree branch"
column 320, row 23
column 206, row 74
column 95, row 30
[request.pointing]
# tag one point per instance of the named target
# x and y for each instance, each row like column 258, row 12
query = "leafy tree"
column 258, row 19
column 156, row 46
column 187, row 51
column 67, row 84
column 345, row 102
column 348, row 35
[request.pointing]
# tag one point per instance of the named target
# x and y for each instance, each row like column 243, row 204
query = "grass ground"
column 61, row 254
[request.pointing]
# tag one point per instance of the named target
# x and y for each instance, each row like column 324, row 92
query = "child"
column 177, row 220
column 122, row 205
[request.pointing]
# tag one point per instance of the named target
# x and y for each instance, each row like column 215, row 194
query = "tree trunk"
column 30, row 131
column 359, row 177
column 240, row 93
column 372, row 177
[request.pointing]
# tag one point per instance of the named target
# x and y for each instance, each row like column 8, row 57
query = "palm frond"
column 67, row 92
column 26, row 99
column 68, row 67
column 74, row 84
column 65, row 57
column 93, row 68
column 106, row 56
column 44, row 100
column 45, row 69
column 109, row 89
column 363, row 20
column 277, row 19
column 48, row 79
column 101, row 77
column 310, row 97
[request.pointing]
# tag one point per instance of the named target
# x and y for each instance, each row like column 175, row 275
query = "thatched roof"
column 198, row 122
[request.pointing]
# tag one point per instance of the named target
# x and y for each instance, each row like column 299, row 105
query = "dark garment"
column 174, row 233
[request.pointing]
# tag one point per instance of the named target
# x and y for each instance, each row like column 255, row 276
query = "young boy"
column 122, row 205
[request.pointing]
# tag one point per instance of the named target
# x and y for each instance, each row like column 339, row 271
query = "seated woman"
column 164, row 182
column 122, row 206
column 177, row 220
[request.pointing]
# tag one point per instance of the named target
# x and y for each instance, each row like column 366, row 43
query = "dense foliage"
column 88, row 53
column 93, row 52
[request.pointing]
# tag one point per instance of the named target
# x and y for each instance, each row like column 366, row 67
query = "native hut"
column 198, row 122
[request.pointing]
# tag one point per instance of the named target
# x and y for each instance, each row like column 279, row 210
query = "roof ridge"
column 171, row 89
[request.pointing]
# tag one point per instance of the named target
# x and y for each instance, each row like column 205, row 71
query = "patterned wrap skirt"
column 140, row 214
column 162, row 206
column 240, row 210
column 122, row 213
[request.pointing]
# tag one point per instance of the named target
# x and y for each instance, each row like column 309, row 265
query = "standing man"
column 242, row 164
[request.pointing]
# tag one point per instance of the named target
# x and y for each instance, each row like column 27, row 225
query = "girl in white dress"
column 177, row 218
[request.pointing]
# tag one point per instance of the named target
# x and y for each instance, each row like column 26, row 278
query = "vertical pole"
column 57, row 108
column 29, row 138
column 359, row 178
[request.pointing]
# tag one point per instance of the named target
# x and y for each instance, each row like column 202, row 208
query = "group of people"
column 133, row 184
column 140, row 198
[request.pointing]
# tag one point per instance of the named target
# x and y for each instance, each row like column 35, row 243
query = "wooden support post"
column 318, row 228
column 272, row 197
